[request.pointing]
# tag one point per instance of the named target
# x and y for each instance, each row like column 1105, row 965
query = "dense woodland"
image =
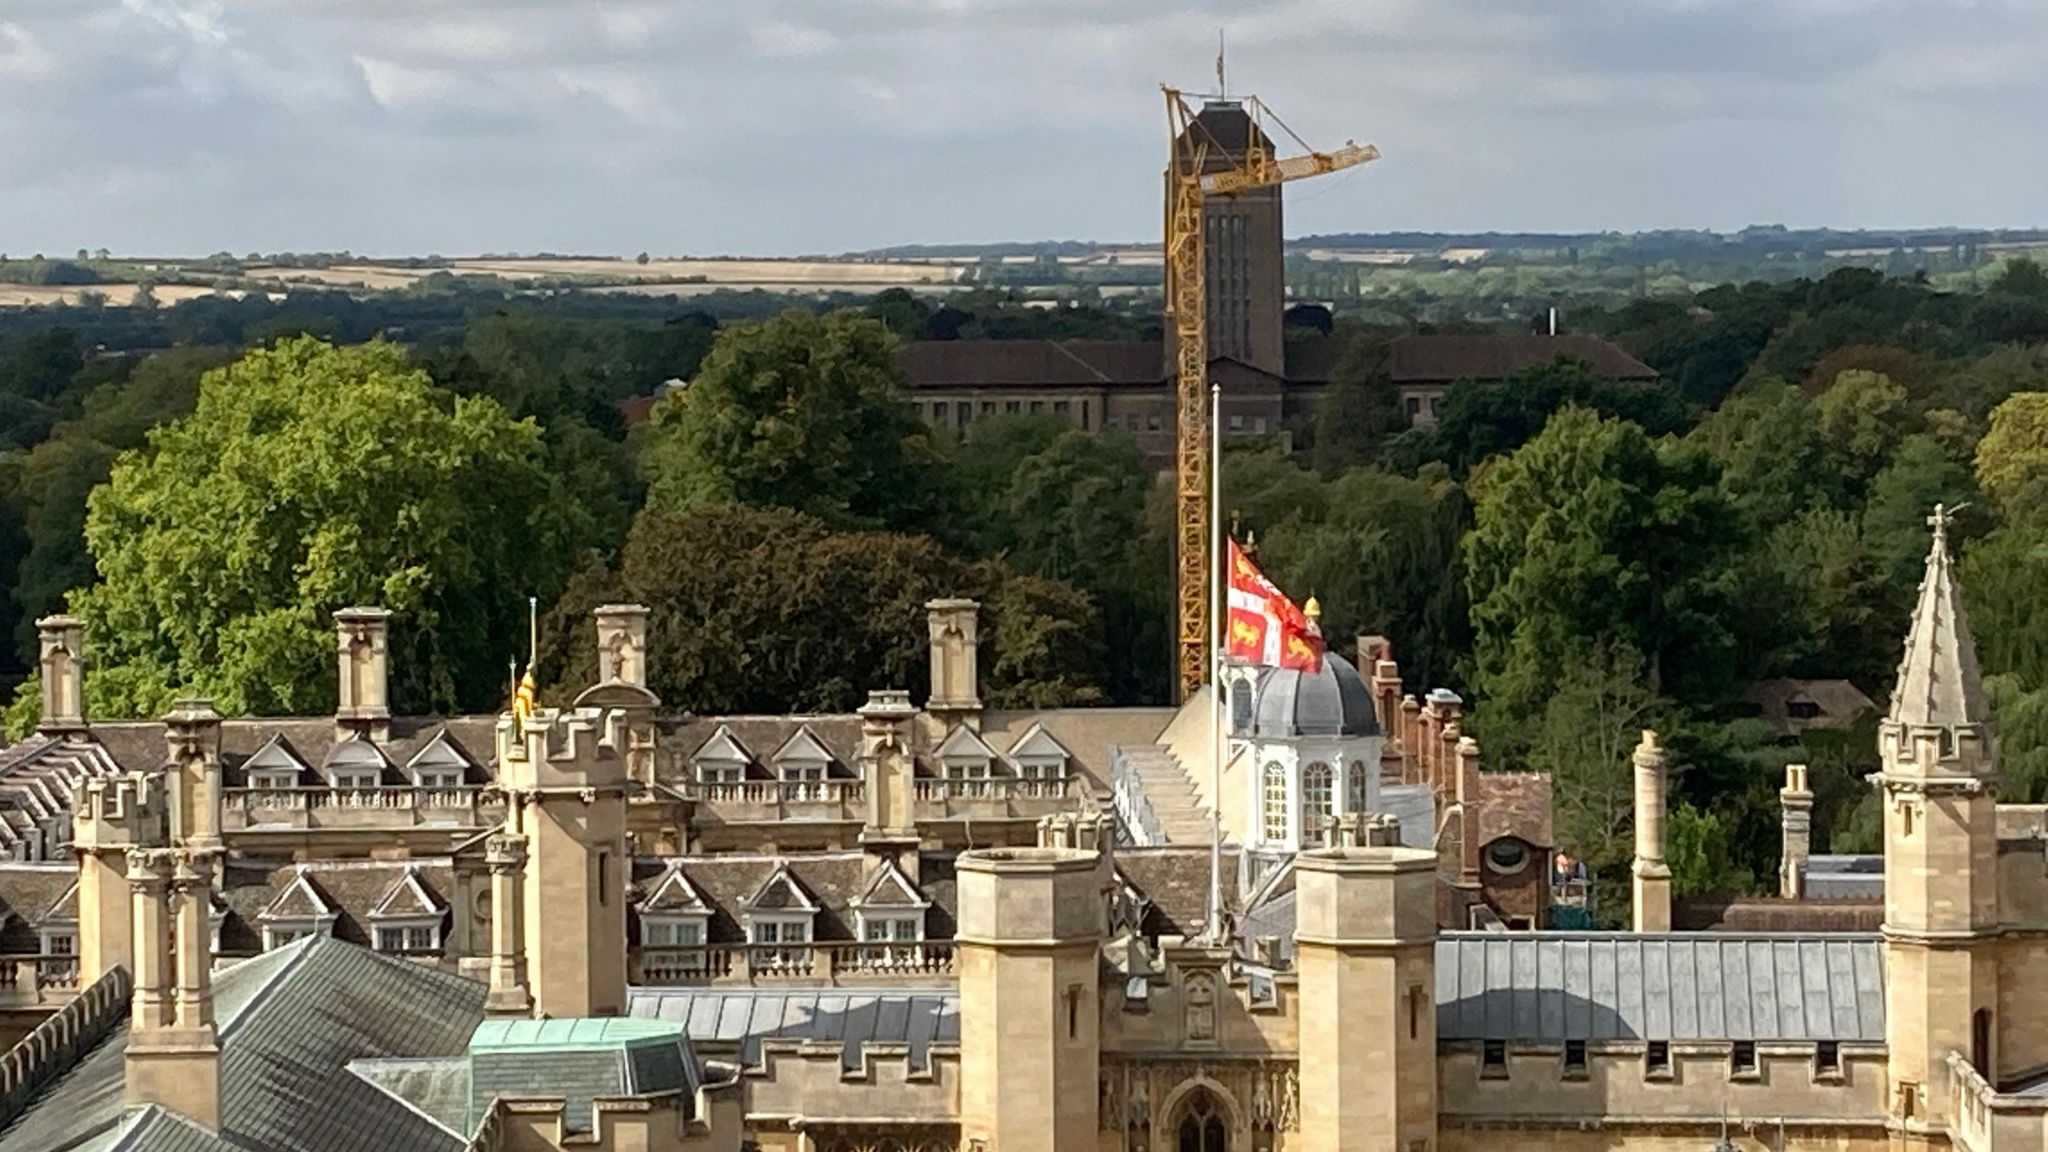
column 1579, row 558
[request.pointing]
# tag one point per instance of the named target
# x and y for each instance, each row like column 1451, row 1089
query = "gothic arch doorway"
column 1201, row 1126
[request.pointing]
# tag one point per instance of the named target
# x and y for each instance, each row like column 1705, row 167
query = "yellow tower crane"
column 1193, row 177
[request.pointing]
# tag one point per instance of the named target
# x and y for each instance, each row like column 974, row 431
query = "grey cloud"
column 817, row 125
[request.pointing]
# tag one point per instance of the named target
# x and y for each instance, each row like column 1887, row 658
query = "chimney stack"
column 1796, row 806
column 61, row 640
column 362, row 637
column 956, row 684
column 173, row 1054
column 192, row 738
column 622, row 644
column 1652, row 874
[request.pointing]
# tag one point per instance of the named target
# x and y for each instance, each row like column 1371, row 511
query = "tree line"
column 1579, row 557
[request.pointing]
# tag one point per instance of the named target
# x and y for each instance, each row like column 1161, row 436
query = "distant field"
column 803, row 273
column 115, row 295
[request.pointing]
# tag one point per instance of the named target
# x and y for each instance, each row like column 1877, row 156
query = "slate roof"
column 1515, row 804
column 1175, row 883
column 139, row 744
column 290, row 1021
column 1774, row 915
column 1551, row 987
column 1496, row 356
column 1839, row 701
column 835, row 880
column 743, row 1018
column 28, row 892
column 1845, row 877
column 1031, row 363
column 351, row 890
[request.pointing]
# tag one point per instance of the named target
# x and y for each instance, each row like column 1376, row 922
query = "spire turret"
column 1939, row 685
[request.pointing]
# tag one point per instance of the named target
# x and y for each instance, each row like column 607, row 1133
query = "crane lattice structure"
column 1189, row 185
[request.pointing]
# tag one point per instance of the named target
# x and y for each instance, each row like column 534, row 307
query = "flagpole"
column 532, row 632
column 1216, row 745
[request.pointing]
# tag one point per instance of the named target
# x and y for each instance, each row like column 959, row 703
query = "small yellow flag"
column 524, row 699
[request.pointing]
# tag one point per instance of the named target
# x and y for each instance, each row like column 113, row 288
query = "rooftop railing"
column 829, row 964
column 323, row 807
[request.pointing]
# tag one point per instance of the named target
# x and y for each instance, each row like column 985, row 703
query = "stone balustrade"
column 775, row 801
column 464, row 806
column 37, row 981
column 998, row 797
column 835, row 964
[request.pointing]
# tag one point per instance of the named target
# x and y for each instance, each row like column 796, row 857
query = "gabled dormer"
column 1040, row 757
column 355, row 764
column 964, row 755
column 440, row 763
column 276, row 765
column 781, row 910
column 299, row 911
column 407, row 919
column 675, row 914
column 890, row 910
column 803, row 756
column 722, row 759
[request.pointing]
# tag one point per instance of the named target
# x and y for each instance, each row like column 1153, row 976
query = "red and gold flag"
column 1265, row 627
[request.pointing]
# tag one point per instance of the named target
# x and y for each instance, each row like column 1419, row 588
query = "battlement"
column 121, row 812
column 563, row 748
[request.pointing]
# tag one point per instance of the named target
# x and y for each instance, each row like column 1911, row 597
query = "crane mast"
column 1188, row 188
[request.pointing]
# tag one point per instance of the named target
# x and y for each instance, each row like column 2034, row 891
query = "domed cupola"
column 1330, row 702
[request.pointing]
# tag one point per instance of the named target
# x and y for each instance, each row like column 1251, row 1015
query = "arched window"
column 1356, row 793
column 1274, row 795
column 1317, row 800
column 1201, row 1125
column 1241, row 708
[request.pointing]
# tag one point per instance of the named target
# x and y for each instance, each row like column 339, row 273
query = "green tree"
column 2012, row 458
column 801, row 412
column 1923, row 472
column 1593, row 536
column 308, row 478
column 1862, row 414
column 1359, row 410
column 1775, row 463
column 1702, row 854
column 771, row 610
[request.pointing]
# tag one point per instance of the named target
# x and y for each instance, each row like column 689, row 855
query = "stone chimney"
column 506, row 857
column 1795, row 804
column 1652, row 881
column 888, row 765
column 622, row 644
column 1467, row 756
column 362, row 637
column 956, row 683
column 173, row 1055
column 61, row 640
column 192, row 738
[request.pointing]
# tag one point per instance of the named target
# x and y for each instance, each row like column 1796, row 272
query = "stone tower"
column 1031, row 923
column 1938, row 772
column 564, row 774
column 192, row 736
column 1366, row 954
column 1243, row 246
column 117, row 815
column 1651, row 876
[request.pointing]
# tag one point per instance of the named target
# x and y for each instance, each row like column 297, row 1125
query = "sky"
column 782, row 127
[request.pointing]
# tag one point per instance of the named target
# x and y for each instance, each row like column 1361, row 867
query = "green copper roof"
column 602, row 1034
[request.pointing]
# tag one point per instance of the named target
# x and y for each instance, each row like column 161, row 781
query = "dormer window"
column 803, row 758
column 274, row 766
column 889, row 915
column 440, row 764
column 354, row 765
column 671, row 931
column 674, row 914
column 301, row 910
column 722, row 759
column 779, row 922
column 963, row 755
column 408, row 918
column 1039, row 757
